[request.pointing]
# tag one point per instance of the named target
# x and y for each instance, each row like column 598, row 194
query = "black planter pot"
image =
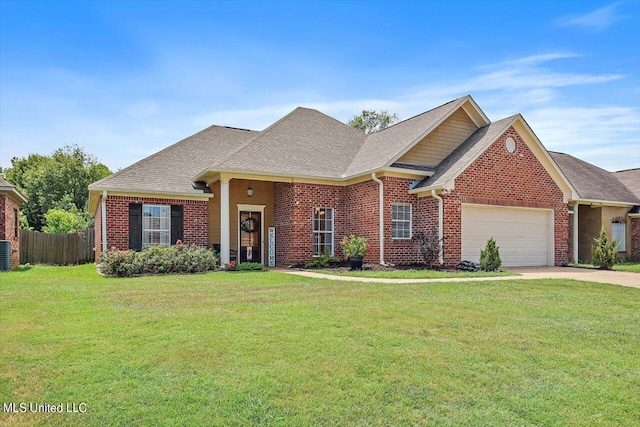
column 355, row 262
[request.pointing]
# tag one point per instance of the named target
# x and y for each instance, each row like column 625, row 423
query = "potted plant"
column 354, row 249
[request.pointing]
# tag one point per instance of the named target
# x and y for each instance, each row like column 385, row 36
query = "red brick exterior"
column 7, row 227
column 356, row 210
column 194, row 220
column 503, row 179
column 635, row 239
column 293, row 209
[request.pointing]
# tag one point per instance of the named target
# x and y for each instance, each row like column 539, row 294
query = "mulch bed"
column 341, row 267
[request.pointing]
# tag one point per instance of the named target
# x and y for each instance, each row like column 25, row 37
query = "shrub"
column 248, row 266
column 321, row 261
column 429, row 246
column 159, row 260
column 490, row 257
column 604, row 252
column 353, row 246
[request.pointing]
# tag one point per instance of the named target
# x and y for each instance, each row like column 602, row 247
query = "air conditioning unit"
column 5, row 255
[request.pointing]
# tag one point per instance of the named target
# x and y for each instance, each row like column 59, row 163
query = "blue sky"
column 125, row 79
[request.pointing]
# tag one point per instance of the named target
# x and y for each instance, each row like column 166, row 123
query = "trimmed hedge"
column 159, row 260
column 245, row 266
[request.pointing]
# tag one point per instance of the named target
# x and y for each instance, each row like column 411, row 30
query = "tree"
column 61, row 221
column 605, row 252
column 490, row 257
column 371, row 121
column 58, row 181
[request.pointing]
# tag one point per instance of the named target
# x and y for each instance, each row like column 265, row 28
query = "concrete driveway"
column 622, row 278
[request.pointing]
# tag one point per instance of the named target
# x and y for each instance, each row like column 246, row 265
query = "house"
column 603, row 201
column 292, row 191
column 10, row 201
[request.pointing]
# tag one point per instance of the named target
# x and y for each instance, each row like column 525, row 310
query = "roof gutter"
column 440, row 226
column 381, row 219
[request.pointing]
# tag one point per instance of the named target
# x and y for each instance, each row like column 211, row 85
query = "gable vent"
column 5, row 255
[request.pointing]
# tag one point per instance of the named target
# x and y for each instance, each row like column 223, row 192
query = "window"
column 400, row 221
column 156, row 225
column 618, row 234
column 322, row 231
column 16, row 223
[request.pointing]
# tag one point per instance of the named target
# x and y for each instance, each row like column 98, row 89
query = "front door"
column 250, row 237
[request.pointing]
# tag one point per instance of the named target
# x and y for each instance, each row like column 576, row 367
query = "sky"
column 124, row 79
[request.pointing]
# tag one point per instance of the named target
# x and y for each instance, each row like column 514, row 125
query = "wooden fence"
column 58, row 249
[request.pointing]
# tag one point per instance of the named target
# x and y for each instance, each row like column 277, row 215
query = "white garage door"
column 525, row 236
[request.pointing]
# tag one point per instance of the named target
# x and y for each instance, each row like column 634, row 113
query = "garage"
column 524, row 235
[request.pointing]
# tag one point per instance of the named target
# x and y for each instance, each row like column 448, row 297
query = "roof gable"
column 9, row 189
column 476, row 144
column 385, row 147
column 441, row 142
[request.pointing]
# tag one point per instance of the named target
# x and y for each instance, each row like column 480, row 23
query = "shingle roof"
column 7, row 187
column 592, row 182
column 305, row 142
column 381, row 147
column 171, row 170
column 466, row 152
column 631, row 179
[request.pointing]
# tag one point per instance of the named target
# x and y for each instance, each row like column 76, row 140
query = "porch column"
column 575, row 233
column 225, row 239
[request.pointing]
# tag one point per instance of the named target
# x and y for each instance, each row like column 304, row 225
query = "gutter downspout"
column 104, row 221
column 381, row 220
column 440, row 225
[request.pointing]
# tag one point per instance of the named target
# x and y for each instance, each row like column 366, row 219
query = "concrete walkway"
column 622, row 278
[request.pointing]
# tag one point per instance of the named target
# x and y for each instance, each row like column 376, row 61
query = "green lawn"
column 274, row 349
column 414, row 274
column 633, row 267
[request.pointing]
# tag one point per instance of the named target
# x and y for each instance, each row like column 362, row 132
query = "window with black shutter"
column 176, row 224
column 135, row 226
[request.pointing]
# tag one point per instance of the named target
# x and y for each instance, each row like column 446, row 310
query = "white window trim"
column 314, row 232
column 397, row 221
column 623, row 242
column 168, row 230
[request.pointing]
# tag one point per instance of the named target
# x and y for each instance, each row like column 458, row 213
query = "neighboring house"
column 314, row 179
column 10, row 201
column 603, row 201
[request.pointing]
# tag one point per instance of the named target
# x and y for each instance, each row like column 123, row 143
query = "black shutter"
column 135, row 226
column 176, row 224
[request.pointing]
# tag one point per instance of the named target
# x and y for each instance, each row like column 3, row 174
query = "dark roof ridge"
column 627, row 170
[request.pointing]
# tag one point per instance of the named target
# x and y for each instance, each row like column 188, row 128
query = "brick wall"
column 7, row 227
column 635, row 239
column 356, row 210
column 194, row 220
column 293, row 208
column 500, row 178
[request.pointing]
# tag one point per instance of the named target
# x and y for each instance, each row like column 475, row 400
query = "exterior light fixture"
column 249, row 191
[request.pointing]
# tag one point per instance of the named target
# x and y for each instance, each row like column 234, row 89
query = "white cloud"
column 597, row 20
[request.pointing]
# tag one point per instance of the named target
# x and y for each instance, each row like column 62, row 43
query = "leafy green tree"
column 61, row 221
column 57, row 181
column 370, row 121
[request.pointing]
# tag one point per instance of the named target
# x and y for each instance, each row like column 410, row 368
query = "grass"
column 633, row 267
column 415, row 274
column 275, row 349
